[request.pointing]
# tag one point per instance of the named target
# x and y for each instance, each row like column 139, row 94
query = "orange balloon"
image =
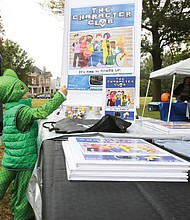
column 165, row 97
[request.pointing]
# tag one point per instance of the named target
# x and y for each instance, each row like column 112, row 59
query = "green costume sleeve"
column 27, row 115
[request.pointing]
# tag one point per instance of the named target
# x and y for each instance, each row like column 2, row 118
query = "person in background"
column 182, row 91
column 19, row 138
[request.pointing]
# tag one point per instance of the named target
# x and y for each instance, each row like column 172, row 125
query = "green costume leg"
column 19, row 203
column 13, row 197
column 6, row 177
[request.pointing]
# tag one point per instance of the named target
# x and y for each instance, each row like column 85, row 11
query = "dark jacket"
column 179, row 90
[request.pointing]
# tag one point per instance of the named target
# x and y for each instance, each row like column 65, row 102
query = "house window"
column 41, row 80
column 33, row 81
column 58, row 84
column 47, row 80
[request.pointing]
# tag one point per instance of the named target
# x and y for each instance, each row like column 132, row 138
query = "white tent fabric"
column 180, row 68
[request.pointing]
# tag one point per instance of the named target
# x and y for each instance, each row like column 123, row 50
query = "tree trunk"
column 156, row 90
column 157, row 64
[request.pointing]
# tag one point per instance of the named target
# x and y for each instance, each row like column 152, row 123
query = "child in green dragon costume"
column 20, row 140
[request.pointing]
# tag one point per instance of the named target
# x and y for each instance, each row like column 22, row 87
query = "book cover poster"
column 133, row 151
column 101, row 41
column 173, row 127
column 150, row 159
column 111, row 146
column 119, row 96
column 174, row 124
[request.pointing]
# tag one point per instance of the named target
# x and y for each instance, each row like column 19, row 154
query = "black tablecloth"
column 86, row 200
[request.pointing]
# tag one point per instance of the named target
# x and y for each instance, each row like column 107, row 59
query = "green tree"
column 56, row 7
column 146, row 69
column 1, row 32
column 16, row 58
column 169, row 58
column 165, row 23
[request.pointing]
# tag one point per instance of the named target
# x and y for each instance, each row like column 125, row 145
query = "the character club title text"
column 101, row 16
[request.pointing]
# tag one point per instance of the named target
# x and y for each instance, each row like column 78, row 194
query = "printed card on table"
column 121, row 151
column 119, row 96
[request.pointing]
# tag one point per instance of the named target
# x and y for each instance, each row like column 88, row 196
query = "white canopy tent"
column 180, row 68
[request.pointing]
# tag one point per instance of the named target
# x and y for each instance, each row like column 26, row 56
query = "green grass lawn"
column 153, row 114
column 4, row 204
column 156, row 115
column 38, row 102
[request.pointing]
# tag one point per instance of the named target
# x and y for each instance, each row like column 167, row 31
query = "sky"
column 35, row 31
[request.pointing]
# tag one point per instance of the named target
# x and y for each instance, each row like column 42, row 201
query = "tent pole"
column 146, row 97
column 171, row 96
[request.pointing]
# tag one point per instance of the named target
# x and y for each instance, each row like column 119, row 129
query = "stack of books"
column 121, row 159
column 172, row 127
